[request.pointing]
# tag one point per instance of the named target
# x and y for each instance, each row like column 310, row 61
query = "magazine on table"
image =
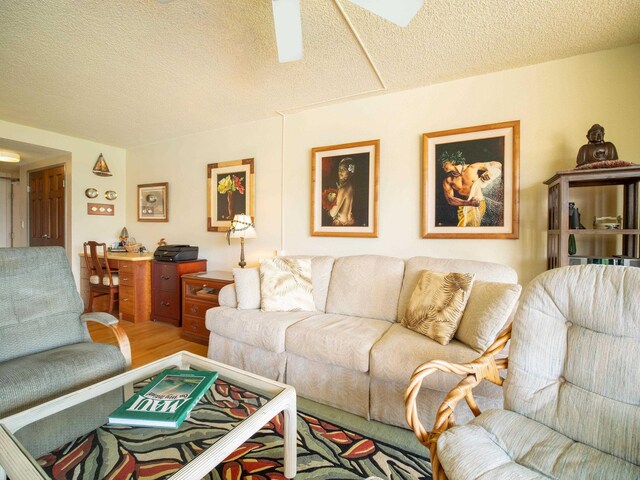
column 166, row 401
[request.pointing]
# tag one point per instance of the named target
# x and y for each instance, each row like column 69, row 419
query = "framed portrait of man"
column 470, row 182
column 344, row 190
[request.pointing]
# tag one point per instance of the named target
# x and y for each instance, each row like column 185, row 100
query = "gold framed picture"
column 230, row 192
column 153, row 202
column 344, row 190
column 470, row 182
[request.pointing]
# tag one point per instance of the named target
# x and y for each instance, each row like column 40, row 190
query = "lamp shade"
column 9, row 157
column 242, row 227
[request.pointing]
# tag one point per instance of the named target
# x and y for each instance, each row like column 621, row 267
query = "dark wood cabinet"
column 199, row 294
column 165, row 285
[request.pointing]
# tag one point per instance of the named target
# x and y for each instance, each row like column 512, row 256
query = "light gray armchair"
column 571, row 395
column 45, row 347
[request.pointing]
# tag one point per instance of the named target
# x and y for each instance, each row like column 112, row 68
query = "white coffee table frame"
column 20, row 465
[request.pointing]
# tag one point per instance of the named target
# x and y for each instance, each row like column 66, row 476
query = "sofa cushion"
column 400, row 351
column 321, row 268
column 487, row 312
column 500, row 444
column 253, row 327
column 485, row 271
column 227, row 296
column 366, row 286
column 285, row 285
column 575, row 351
column 437, row 304
column 247, row 282
column 340, row 340
column 37, row 294
column 33, row 379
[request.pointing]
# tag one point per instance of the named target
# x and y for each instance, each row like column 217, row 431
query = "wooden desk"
column 134, row 272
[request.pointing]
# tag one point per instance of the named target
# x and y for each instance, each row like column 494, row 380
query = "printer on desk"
column 175, row 253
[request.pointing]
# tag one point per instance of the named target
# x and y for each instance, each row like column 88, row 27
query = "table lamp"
column 241, row 227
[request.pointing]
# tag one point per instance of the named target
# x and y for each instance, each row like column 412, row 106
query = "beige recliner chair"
column 571, row 395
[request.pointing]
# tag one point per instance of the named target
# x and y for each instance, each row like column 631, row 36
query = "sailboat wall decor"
column 101, row 168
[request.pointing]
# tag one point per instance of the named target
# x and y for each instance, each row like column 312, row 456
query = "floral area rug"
column 325, row 450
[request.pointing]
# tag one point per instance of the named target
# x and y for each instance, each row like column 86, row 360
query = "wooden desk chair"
column 102, row 281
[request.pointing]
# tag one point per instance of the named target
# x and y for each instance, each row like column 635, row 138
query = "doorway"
column 6, row 212
column 46, row 190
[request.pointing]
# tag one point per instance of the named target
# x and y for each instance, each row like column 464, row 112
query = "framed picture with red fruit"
column 344, row 190
column 230, row 191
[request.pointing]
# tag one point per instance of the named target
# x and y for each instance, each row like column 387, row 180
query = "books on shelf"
column 614, row 260
column 166, row 401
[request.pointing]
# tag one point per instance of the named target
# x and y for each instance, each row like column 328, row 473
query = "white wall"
column 79, row 163
column 556, row 103
column 183, row 163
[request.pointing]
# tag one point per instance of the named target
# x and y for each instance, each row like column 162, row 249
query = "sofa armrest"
column 227, row 296
column 112, row 322
column 485, row 367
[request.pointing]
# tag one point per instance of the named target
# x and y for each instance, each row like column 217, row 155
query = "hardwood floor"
column 149, row 340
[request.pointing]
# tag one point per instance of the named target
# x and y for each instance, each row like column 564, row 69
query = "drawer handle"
column 165, row 304
column 164, row 277
column 194, row 309
column 193, row 327
column 125, row 279
column 124, row 299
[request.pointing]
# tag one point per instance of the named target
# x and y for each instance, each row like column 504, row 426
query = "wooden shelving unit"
column 558, row 218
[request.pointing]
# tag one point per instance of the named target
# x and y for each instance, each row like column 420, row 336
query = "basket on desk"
column 133, row 248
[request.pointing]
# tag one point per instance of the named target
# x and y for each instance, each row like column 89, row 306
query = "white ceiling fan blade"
column 286, row 18
column 400, row 12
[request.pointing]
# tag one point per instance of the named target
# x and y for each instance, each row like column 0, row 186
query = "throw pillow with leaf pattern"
column 285, row 285
column 437, row 304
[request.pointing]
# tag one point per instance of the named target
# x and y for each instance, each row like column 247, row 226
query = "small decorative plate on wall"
column 91, row 193
column 110, row 195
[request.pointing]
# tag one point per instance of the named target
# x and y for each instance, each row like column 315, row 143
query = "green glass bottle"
column 572, row 245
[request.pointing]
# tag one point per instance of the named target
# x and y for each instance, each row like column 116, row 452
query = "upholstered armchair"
column 571, row 396
column 45, row 347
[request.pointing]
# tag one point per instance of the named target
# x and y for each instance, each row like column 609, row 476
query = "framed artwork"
column 230, row 191
column 344, row 190
column 470, row 182
column 153, row 202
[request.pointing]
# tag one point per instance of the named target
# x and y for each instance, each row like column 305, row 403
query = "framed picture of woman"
column 344, row 190
column 470, row 182
column 230, row 191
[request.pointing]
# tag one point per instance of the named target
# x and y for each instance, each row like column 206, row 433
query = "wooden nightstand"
column 200, row 293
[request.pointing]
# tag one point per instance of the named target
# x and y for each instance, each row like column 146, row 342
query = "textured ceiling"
column 131, row 72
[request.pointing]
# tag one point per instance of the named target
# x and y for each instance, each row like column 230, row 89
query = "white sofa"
column 352, row 353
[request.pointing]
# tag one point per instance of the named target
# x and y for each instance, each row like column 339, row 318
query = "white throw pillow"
column 247, row 282
column 437, row 304
column 487, row 312
column 285, row 285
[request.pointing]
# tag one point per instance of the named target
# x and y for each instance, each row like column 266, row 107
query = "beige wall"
column 556, row 103
column 79, row 163
column 183, row 163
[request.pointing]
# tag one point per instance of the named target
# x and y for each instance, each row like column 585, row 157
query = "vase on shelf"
column 572, row 245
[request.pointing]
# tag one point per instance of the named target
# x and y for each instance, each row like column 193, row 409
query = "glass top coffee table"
column 271, row 398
